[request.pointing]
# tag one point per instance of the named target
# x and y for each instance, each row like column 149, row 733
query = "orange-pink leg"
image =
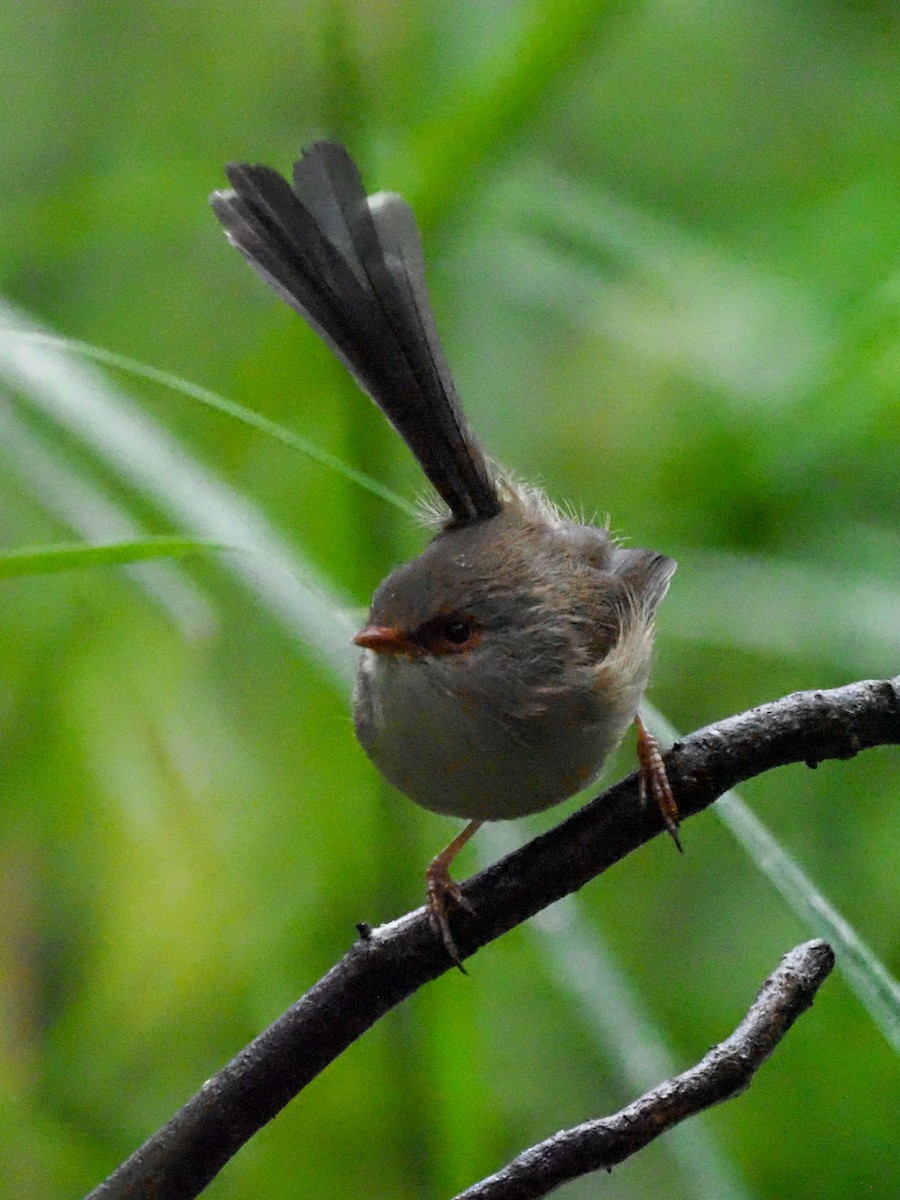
column 443, row 893
column 654, row 781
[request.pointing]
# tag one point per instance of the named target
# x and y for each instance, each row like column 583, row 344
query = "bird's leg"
column 443, row 893
column 654, row 781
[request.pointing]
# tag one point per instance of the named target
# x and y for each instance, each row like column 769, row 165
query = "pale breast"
column 456, row 755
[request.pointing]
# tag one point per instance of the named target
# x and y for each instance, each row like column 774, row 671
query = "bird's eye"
column 446, row 633
column 457, row 631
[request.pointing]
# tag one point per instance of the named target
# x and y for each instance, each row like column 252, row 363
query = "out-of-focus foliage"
column 663, row 242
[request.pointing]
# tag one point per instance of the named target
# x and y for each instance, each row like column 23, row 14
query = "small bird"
column 501, row 667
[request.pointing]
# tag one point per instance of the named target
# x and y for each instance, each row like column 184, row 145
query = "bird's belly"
column 458, row 757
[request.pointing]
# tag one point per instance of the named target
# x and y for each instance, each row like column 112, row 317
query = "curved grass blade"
column 70, row 556
column 87, row 509
column 874, row 986
column 229, row 408
column 78, row 398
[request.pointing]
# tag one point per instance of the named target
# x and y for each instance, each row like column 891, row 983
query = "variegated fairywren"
column 501, row 667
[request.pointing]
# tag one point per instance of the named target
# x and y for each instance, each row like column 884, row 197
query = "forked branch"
column 724, row 1072
column 389, row 963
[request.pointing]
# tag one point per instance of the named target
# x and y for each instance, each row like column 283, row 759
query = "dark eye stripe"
column 446, row 633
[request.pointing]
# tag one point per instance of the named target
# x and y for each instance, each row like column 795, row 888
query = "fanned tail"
column 352, row 266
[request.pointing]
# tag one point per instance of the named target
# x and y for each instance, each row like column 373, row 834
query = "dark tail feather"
column 352, row 266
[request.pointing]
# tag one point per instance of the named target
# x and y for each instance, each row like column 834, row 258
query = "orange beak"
column 383, row 639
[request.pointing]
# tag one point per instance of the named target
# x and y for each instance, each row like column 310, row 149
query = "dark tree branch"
column 724, row 1072
column 387, row 964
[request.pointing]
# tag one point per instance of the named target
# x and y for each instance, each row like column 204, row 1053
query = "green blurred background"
column 663, row 248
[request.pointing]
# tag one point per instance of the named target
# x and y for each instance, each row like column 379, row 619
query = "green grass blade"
column 83, row 402
column 88, row 509
column 873, row 984
column 221, row 404
column 47, row 560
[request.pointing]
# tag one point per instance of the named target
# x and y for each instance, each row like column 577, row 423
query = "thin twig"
column 389, row 963
column 723, row 1073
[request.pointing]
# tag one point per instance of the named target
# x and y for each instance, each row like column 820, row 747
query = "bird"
column 501, row 667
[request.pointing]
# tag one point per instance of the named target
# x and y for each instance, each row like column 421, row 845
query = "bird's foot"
column 444, row 894
column 654, row 782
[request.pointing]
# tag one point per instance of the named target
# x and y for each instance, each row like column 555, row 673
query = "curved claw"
column 443, row 893
column 654, row 782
